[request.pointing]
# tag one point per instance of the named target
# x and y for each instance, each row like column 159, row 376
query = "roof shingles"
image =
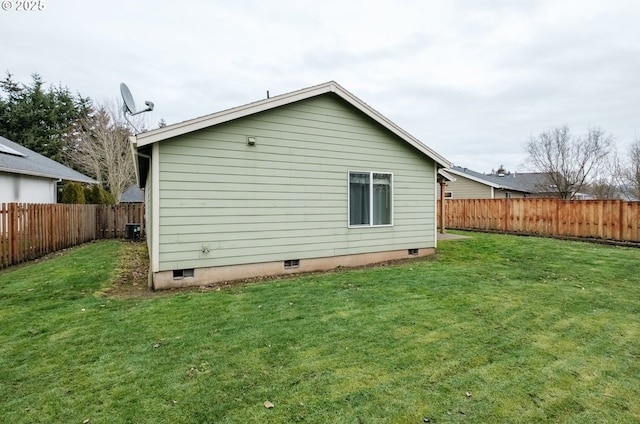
column 535, row 182
column 29, row 162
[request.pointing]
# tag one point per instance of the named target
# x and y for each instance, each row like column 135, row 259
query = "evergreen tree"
column 96, row 195
column 73, row 193
column 41, row 119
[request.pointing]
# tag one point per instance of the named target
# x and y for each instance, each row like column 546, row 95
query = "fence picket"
column 30, row 231
column 604, row 219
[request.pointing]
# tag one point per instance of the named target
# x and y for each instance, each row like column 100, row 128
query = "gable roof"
column 535, row 182
column 185, row 127
column 17, row 159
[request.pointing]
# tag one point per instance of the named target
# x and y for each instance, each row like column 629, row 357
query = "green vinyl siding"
column 465, row 188
column 287, row 196
column 502, row 193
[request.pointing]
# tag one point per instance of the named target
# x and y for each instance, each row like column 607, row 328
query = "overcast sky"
column 474, row 80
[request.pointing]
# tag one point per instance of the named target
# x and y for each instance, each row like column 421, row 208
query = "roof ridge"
column 184, row 127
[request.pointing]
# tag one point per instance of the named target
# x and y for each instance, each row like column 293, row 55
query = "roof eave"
column 390, row 125
column 206, row 121
column 48, row 176
column 473, row 178
column 446, row 176
column 134, row 156
column 196, row 124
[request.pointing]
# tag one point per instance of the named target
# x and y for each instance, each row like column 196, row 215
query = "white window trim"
column 450, row 195
column 371, row 224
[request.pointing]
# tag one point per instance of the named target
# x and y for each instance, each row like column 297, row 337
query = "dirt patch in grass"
column 132, row 278
column 132, row 275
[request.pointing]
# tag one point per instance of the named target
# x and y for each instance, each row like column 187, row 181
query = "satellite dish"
column 129, row 106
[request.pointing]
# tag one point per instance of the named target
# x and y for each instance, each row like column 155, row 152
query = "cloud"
column 473, row 80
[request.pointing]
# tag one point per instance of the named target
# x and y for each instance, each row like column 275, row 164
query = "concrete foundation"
column 216, row 275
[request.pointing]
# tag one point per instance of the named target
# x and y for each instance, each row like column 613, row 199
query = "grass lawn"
column 493, row 329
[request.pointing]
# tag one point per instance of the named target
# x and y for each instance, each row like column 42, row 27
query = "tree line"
column 88, row 136
column 587, row 163
column 93, row 138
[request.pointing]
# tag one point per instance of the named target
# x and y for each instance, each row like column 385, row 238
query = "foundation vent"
column 179, row 274
column 292, row 263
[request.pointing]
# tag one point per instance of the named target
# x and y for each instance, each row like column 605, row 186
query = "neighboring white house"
column 29, row 177
column 305, row 181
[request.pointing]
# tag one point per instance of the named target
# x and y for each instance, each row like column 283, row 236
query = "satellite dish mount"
column 129, row 106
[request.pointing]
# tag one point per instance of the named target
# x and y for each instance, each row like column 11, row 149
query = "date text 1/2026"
column 23, row 5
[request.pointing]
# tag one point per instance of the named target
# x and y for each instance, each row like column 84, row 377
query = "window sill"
column 369, row 226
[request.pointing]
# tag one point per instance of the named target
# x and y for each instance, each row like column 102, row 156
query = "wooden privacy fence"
column 30, row 231
column 603, row 219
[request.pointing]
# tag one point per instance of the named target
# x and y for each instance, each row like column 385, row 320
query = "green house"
column 305, row 181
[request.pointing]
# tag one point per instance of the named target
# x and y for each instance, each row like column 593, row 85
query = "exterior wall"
column 17, row 188
column 499, row 193
column 224, row 203
column 464, row 188
column 215, row 275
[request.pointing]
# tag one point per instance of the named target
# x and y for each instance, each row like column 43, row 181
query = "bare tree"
column 604, row 188
column 570, row 162
column 102, row 149
column 629, row 172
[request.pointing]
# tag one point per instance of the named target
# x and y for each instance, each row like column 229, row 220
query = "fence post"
column 13, row 233
column 97, row 223
column 621, row 220
column 4, row 242
column 507, row 215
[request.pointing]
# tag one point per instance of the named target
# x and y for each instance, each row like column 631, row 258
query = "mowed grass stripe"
column 493, row 329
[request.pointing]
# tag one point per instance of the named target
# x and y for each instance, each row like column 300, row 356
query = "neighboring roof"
column 535, row 182
column 133, row 194
column 181, row 128
column 17, row 159
column 445, row 176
